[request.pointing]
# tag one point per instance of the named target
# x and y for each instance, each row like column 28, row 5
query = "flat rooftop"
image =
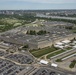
column 18, row 35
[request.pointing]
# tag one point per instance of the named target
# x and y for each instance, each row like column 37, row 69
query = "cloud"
column 46, row 1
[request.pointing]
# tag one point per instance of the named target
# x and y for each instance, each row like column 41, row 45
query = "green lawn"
column 72, row 64
column 55, row 53
column 41, row 52
column 58, row 60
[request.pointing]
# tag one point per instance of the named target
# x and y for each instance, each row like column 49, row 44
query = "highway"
column 56, row 17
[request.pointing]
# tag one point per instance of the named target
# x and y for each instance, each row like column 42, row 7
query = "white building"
column 54, row 65
column 66, row 41
column 44, row 62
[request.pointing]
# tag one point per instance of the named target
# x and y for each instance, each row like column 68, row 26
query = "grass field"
column 41, row 52
column 55, row 53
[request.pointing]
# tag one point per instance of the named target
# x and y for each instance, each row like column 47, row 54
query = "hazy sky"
column 37, row 4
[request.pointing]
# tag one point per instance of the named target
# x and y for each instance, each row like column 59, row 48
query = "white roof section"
column 66, row 45
column 74, row 46
column 59, row 46
column 59, row 43
column 74, row 42
column 54, row 65
column 44, row 62
column 66, row 41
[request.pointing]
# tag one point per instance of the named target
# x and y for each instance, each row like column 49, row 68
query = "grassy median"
column 55, row 53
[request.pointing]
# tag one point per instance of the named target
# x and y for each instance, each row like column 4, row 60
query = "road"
column 62, row 71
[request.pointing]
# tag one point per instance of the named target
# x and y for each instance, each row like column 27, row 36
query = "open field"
column 41, row 52
column 9, row 23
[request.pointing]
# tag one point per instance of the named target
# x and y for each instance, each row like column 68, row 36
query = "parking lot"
column 20, row 58
column 46, row 71
column 9, row 68
column 3, row 53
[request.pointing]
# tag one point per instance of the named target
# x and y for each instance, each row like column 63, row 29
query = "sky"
column 37, row 4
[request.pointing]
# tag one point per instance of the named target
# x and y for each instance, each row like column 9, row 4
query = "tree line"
column 33, row 32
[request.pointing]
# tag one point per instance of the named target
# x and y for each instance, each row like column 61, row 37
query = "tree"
column 41, row 32
column 26, row 46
